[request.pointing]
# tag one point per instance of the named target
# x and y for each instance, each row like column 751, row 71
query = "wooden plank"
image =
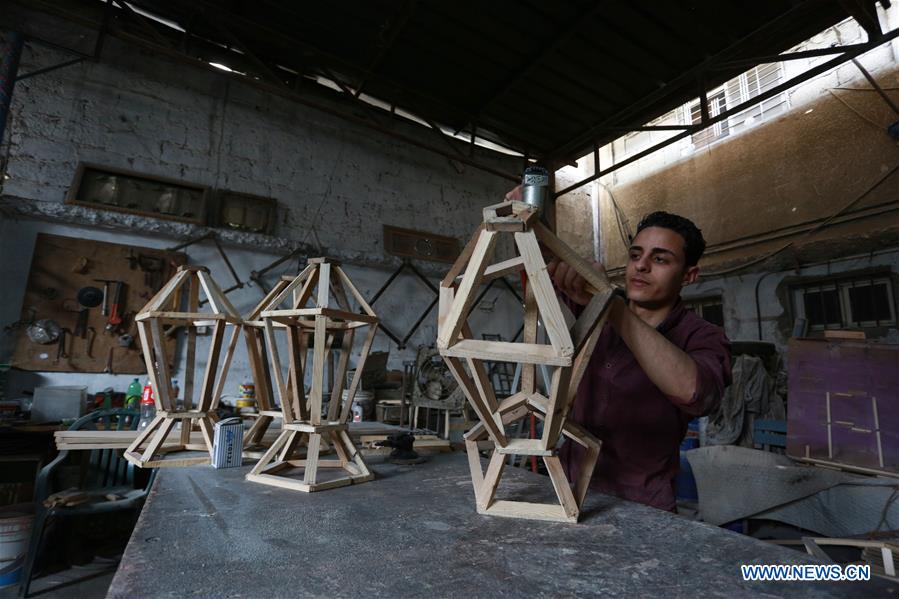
column 528, row 511
column 222, row 374
column 346, row 348
column 279, row 287
column 168, row 290
column 456, row 269
column 347, row 406
column 269, row 455
column 588, row 465
column 296, row 387
column 150, row 360
column 561, row 486
column 318, row 368
column 193, row 305
column 285, row 315
column 597, row 281
column 163, row 387
column 313, row 449
column 212, row 367
column 525, row 447
column 324, row 286
column 504, row 268
column 474, row 465
column 490, row 420
column 465, row 296
column 548, row 303
column 491, row 480
column 594, row 315
column 355, row 292
column 501, row 351
column 528, row 381
column 556, row 407
column 275, row 359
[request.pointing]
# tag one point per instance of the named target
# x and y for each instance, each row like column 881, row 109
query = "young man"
column 656, row 365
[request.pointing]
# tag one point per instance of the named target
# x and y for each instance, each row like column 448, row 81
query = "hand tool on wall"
column 106, row 283
column 89, row 341
column 108, row 368
column 61, row 348
column 116, row 308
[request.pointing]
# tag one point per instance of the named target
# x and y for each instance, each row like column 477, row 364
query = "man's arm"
column 667, row 366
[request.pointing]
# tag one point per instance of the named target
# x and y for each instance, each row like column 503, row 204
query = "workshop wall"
column 755, row 192
column 133, row 110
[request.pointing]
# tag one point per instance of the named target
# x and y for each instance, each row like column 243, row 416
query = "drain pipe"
column 758, row 309
column 10, row 52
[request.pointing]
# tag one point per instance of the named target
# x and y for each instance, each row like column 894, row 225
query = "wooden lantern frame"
column 254, row 334
column 571, row 343
column 303, row 422
column 161, row 311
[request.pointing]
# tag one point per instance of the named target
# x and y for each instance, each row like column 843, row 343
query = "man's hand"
column 569, row 282
column 514, row 195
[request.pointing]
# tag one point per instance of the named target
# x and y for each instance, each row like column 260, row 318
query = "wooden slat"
column 456, row 269
column 465, row 296
column 489, row 419
column 164, row 294
column 355, row 292
column 598, row 281
column 212, row 367
column 548, row 303
column 275, row 360
column 346, row 408
column 163, row 388
column 502, row 351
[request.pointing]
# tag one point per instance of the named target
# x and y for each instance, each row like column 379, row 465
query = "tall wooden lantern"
column 178, row 305
column 304, row 424
column 254, row 333
column 570, row 344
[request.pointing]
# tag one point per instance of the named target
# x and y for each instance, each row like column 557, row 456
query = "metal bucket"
column 15, row 530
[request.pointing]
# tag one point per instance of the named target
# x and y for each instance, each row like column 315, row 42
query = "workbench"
column 414, row 531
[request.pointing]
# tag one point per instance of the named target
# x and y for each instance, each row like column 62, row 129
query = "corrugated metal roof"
column 546, row 78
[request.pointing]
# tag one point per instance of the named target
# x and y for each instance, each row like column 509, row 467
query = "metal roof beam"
column 535, row 59
column 399, row 24
column 857, row 50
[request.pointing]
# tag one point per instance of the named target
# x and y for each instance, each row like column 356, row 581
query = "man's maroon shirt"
column 640, row 427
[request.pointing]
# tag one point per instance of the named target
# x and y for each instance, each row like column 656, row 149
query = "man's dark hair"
column 694, row 243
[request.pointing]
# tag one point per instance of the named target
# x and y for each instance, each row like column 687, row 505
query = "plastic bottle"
column 132, row 396
column 147, row 407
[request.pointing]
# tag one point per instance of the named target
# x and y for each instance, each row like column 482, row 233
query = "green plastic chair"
column 103, row 472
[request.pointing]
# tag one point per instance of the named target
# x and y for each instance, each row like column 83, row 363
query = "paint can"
column 15, row 531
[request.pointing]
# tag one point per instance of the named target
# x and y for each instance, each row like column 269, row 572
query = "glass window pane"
column 822, row 307
column 870, row 303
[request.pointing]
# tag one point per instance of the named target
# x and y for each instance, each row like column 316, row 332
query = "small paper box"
column 227, row 443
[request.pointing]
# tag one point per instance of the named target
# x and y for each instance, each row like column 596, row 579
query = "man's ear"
column 691, row 274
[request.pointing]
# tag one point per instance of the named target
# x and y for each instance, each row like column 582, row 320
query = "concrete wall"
column 768, row 187
column 133, row 110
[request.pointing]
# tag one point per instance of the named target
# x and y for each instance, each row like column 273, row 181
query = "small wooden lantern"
column 571, row 343
column 304, row 424
column 163, row 313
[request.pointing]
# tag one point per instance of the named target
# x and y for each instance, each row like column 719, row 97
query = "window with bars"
column 860, row 302
column 744, row 87
column 710, row 309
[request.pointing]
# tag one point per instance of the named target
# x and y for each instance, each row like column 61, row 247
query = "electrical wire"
column 876, row 125
column 808, row 233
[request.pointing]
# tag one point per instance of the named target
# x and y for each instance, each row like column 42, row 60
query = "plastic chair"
column 103, row 472
column 770, row 433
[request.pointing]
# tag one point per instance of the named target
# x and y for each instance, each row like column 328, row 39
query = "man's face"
column 656, row 267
